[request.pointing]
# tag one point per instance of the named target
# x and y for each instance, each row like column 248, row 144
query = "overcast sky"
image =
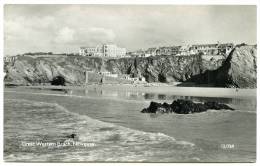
column 64, row 28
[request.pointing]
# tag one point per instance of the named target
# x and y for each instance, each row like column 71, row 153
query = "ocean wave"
column 51, row 121
column 228, row 111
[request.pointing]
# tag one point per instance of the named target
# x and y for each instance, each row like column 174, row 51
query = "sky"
column 65, row 28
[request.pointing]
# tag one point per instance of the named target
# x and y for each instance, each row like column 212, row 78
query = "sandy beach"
column 164, row 89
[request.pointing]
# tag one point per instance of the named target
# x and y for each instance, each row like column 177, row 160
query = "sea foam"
column 52, row 122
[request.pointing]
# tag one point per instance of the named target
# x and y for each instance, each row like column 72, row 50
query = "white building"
column 108, row 74
column 105, row 50
column 184, row 50
column 10, row 58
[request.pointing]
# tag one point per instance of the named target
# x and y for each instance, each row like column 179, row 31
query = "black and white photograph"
column 138, row 83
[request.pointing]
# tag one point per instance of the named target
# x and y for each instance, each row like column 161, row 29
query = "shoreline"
column 161, row 89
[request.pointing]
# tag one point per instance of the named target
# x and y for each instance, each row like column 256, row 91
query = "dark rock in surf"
column 153, row 108
column 187, row 107
column 72, row 136
column 184, row 107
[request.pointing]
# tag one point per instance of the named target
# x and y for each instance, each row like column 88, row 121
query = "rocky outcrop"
column 28, row 70
column 184, row 107
column 238, row 70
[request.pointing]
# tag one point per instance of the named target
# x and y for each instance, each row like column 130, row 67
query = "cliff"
column 28, row 70
column 238, row 70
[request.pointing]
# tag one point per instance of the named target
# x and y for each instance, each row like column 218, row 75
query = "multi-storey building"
column 175, row 50
column 225, row 49
column 170, row 50
column 105, row 50
column 204, row 48
column 184, row 50
column 9, row 59
column 151, row 51
column 212, row 49
column 164, row 51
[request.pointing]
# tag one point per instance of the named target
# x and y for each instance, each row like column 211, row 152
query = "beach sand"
column 164, row 89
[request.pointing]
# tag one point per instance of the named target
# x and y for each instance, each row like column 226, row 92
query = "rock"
column 199, row 107
column 167, row 107
column 184, row 107
column 161, row 110
column 239, row 69
column 152, row 108
column 158, row 108
column 72, row 136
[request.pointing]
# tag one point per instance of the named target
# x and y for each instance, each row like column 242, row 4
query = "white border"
column 137, row 2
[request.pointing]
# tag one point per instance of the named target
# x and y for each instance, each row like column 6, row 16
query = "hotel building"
column 105, row 50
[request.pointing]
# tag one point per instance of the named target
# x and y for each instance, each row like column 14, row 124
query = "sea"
column 95, row 125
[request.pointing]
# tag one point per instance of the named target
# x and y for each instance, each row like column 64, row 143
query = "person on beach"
column 101, row 81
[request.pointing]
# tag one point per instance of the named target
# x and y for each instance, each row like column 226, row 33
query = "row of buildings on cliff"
column 111, row 50
column 185, row 50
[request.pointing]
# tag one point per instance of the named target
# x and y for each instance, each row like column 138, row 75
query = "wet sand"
column 164, row 89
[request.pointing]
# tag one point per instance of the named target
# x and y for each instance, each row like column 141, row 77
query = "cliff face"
column 28, row 70
column 163, row 68
column 239, row 69
column 34, row 70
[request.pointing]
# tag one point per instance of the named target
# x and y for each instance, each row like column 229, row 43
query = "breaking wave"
column 50, row 122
